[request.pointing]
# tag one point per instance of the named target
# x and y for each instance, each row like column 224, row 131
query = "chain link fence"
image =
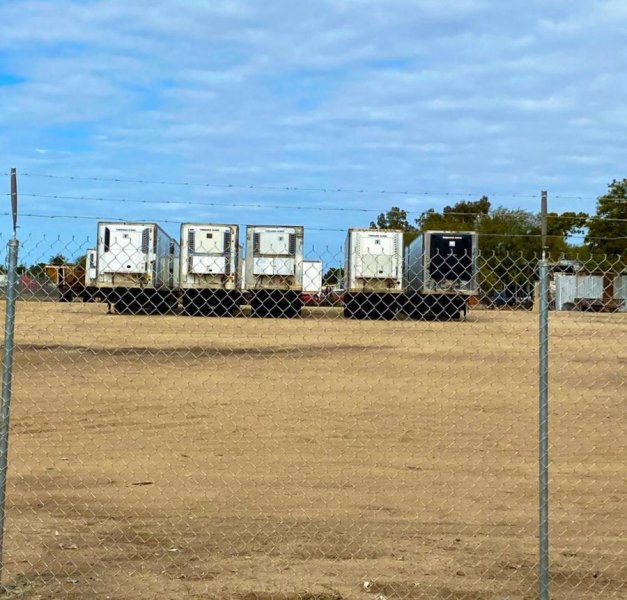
column 198, row 444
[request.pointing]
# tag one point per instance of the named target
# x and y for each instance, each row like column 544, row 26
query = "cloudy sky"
column 429, row 101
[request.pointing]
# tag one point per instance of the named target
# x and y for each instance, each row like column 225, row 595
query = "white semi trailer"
column 137, row 267
column 274, row 269
column 209, row 277
column 440, row 274
column 373, row 273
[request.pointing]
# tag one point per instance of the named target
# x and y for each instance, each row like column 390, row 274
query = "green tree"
column 37, row 270
column 607, row 229
column 58, row 260
column 396, row 218
column 509, row 239
column 464, row 215
column 81, row 261
column 502, row 230
column 333, row 276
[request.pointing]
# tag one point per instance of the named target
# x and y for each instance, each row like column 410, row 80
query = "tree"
column 396, row 218
column 607, row 229
column 81, row 261
column 459, row 217
column 509, row 239
column 505, row 231
column 333, row 277
column 58, row 260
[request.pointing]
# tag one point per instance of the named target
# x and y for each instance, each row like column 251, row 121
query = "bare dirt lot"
column 172, row 457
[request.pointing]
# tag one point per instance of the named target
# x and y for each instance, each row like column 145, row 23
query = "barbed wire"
column 126, row 220
column 325, row 189
column 178, row 222
column 288, row 188
column 277, row 206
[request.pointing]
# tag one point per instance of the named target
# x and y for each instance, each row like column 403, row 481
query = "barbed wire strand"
column 276, row 206
column 287, row 188
column 119, row 220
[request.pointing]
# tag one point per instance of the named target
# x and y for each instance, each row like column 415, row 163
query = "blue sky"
column 443, row 99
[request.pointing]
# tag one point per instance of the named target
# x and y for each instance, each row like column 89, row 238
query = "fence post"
column 7, row 362
column 543, row 570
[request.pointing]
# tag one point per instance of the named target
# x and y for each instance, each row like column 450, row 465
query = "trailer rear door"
column 450, row 257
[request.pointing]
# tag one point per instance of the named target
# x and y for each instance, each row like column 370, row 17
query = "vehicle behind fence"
column 360, row 448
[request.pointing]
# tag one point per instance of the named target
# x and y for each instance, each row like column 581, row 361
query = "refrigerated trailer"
column 440, row 274
column 137, row 267
column 209, row 277
column 274, row 269
column 373, row 273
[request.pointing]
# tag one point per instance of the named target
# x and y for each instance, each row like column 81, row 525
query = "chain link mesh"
column 172, row 444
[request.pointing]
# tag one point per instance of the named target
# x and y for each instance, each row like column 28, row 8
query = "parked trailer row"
column 139, row 268
column 431, row 278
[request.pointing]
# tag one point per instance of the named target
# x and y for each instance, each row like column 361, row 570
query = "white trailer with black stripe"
column 373, row 273
column 274, row 269
column 440, row 274
column 137, row 267
column 209, row 277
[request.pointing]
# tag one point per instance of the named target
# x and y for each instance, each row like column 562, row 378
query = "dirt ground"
column 172, row 457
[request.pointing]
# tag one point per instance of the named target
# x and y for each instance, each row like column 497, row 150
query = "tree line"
column 517, row 232
column 510, row 239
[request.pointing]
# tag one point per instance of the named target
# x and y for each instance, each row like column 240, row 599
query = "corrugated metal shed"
column 568, row 288
column 620, row 291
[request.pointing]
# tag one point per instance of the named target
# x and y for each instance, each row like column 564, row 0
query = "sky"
column 250, row 110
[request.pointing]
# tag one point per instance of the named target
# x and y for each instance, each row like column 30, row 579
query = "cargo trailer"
column 440, row 274
column 209, row 277
column 274, row 269
column 373, row 273
column 137, row 267
column 312, row 281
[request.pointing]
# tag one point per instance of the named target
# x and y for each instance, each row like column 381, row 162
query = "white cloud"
column 357, row 93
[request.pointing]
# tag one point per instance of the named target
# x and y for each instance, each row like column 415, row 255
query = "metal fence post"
column 7, row 363
column 543, row 570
